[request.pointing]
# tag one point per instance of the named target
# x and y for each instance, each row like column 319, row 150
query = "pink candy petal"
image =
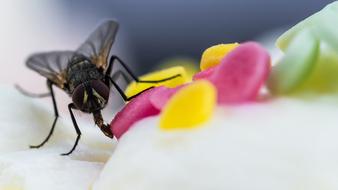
column 137, row 109
column 205, row 74
column 242, row 73
column 160, row 96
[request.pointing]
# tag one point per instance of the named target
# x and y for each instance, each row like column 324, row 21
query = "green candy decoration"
column 310, row 64
column 297, row 64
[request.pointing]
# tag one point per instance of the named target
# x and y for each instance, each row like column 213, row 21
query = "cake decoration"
column 310, row 63
column 135, row 88
column 321, row 24
column 189, row 107
column 205, row 74
column 238, row 78
column 137, row 109
column 214, row 54
column 241, row 74
column 162, row 95
column 296, row 65
column 190, row 65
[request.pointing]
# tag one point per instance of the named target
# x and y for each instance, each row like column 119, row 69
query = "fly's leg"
column 110, row 67
column 105, row 128
column 77, row 129
column 49, row 84
column 32, row 95
column 119, row 73
column 124, row 96
column 160, row 80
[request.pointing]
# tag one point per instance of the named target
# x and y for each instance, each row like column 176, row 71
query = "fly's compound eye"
column 79, row 96
column 100, row 92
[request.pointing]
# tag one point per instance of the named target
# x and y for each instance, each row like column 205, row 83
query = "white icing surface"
column 284, row 144
column 281, row 145
column 25, row 121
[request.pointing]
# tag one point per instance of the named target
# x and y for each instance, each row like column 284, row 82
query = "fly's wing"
column 51, row 65
column 97, row 46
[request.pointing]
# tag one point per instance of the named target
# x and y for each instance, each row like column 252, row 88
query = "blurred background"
column 151, row 31
column 160, row 29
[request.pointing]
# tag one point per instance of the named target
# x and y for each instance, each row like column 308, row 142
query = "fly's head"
column 91, row 96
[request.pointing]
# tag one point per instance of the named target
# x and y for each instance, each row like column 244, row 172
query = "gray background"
column 158, row 29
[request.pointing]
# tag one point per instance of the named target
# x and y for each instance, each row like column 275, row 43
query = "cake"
column 279, row 137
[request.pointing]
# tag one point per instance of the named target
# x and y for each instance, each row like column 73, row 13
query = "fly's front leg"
column 105, row 128
column 123, row 95
column 56, row 113
column 110, row 68
column 77, row 129
column 119, row 74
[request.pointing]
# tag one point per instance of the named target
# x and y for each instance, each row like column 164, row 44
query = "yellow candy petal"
column 190, row 65
column 134, row 88
column 214, row 54
column 189, row 107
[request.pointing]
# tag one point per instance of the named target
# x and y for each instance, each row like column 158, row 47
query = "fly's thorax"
column 91, row 96
column 81, row 70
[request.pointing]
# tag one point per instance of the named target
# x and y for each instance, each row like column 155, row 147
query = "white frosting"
column 283, row 144
column 25, row 121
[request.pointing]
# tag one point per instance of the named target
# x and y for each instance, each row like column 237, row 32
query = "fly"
column 86, row 76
